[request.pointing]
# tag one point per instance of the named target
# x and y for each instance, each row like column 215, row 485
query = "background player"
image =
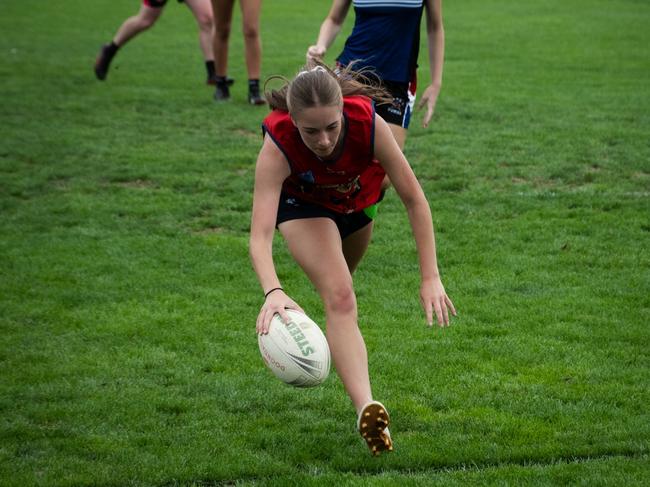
column 150, row 12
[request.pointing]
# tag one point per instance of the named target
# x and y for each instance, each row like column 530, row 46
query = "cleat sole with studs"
column 372, row 429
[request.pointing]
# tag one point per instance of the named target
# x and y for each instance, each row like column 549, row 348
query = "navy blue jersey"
column 385, row 38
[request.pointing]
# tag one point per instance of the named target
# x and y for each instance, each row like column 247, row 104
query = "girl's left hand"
column 435, row 299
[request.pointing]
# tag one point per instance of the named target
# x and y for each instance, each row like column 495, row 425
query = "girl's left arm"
column 432, row 292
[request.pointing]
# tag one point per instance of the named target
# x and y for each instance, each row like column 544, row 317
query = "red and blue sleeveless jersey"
column 346, row 185
column 385, row 38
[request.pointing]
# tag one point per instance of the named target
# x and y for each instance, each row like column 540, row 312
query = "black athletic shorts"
column 291, row 208
column 398, row 112
column 157, row 3
column 403, row 94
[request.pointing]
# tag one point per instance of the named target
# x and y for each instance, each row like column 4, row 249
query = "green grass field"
column 127, row 301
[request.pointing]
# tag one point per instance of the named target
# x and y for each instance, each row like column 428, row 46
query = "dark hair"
column 318, row 85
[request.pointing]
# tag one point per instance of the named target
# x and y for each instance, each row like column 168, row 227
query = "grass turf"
column 127, row 301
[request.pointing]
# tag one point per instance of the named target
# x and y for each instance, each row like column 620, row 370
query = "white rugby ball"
column 296, row 352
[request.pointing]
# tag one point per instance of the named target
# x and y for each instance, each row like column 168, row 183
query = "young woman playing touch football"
column 318, row 176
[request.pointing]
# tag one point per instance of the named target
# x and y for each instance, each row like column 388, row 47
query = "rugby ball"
column 296, row 352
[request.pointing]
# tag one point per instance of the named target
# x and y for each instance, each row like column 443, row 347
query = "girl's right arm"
column 436, row 42
column 270, row 172
column 329, row 30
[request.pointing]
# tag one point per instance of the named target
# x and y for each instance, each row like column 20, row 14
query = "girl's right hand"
column 276, row 302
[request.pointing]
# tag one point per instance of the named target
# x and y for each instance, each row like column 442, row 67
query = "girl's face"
column 320, row 128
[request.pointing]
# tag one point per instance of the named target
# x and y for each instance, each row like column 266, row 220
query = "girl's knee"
column 222, row 31
column 340, row 299
column 251, row 31
column 205, row 22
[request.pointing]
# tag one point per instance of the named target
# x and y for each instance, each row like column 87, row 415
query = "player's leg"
column 250, row 10
column 222, row 15
column 149, row 13
column 316, row 246
column 202, row 11
column 355, row 246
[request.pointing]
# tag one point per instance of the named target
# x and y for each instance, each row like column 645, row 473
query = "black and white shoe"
column 222, row 92
column 254, row 97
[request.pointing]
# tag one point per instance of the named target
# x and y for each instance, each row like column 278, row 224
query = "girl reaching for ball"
column 318, row 178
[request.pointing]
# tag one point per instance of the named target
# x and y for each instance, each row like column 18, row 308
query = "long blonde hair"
column 318, row 85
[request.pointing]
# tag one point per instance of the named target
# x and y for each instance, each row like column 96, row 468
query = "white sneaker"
column 373, row 426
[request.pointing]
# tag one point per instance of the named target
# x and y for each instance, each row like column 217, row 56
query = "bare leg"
column 202, row 11
column 316, row 246
column 132, row 26
column 250, row 10
column 222, row 14
column 355, row 246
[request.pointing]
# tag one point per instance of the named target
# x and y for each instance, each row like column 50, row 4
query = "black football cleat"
column 254, row 97
column 222, row 92
column 103, row 62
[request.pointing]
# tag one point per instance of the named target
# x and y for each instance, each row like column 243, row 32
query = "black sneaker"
column 254, row 97
column 222, row 92
column 103, row 62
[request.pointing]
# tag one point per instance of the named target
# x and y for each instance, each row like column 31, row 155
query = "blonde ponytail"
column 318, row 85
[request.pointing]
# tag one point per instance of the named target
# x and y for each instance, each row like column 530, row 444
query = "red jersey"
column 345, row 185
